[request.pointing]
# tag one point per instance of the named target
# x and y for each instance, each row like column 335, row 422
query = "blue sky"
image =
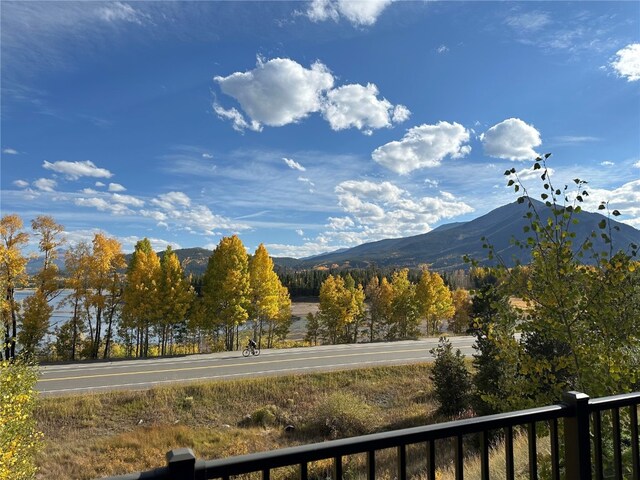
column 309, row 126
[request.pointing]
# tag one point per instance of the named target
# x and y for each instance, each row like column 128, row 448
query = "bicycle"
column 250, row 351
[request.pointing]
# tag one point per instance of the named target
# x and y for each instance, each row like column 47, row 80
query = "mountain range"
column 442, row 248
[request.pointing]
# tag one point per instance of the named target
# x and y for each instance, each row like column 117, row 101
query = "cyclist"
column 252, row 345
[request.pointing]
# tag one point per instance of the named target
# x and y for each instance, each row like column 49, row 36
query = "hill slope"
column 444, row 247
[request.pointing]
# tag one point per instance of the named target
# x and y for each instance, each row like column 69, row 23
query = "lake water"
column 61, row 313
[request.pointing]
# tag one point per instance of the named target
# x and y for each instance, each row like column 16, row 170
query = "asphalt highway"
column 142, row 374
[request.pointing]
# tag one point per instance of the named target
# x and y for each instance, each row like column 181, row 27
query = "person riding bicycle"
column 252, row 344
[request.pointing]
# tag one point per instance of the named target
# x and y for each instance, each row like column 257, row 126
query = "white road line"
column 229, row 375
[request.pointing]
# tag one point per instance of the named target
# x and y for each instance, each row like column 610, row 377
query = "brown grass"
column 96, row 435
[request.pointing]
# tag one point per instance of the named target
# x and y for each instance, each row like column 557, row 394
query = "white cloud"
column 45, row 184
column 102, row 205
column 10, row 151
column 383, row 210
column 99, row 184
column 359, row 13
column 442, row 49
column 607, row 163
column 276, row 93
column 21, row 183
column 239, row 123
column 207, row 155
column 88, row 191
column 637, row 164
column 358, row 106
column 120, row 11
column 511, row 139
column 116, row 187
column 155, row 214
column 75, row 170
column 627, row 64
column 528, row 21
column 172, row 199
column 424, row 146
column 127, row 200
column 177, row 208
column 625, row 198
column 293, row 164
column 300, row 232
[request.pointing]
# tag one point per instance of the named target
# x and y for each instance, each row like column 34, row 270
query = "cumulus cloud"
column 75, row 170
column 280, row 91
column 99, row 184
column 45, row 184
column 607, row 163
column 424, row 146
column 127, row 200
column 103, row 205
column 511, row 139
column 172, row 199
column 10, row 151
column 293, row 164
column 384, row 210
column 300, row 232
column 627, row 62
column 277, row 92
column 625, row 198
column 359, row 13
column 637, row 164
column 178, row 209
column 358, row 106
column 116, row 187
column 21, row 183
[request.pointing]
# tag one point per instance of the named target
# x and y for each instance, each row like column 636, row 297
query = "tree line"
column 146, row 306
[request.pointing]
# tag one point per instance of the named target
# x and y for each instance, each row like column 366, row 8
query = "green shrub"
column 451, row 379
column 342, row 415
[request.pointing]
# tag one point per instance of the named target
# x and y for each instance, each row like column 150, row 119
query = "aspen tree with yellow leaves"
column 340, row 310
column 12, row 275
column 175, row 295
column 434, row 300
column 141, row 310
column 226, row 290
column 265, row 290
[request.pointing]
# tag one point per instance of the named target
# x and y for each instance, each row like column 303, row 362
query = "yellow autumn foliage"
column 19, row 438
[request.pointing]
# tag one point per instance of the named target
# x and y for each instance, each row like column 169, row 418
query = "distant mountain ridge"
column 443, row 248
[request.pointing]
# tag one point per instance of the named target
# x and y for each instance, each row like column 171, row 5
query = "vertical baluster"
column 371, row 465
column 635, row 451
column 508, row 448
column 484, row 455
column 533, row 451
column 597, row 444
column 304, row 472
column 402, row 462
column 431, row 460
column 555, row 449
column 266, row 474
column 337, row 468
column 459, row 458
column 617, row 446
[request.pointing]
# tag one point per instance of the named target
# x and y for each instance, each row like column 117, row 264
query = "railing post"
column 577, row 444
column 182, row 464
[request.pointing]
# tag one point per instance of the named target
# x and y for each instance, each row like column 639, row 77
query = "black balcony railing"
column 581, row 429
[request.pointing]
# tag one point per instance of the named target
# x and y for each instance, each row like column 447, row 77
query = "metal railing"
column 581, row 426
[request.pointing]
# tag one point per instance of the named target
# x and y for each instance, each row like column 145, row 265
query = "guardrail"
column 581, row 425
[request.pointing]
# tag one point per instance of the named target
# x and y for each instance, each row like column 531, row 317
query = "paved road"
column 142, row 374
